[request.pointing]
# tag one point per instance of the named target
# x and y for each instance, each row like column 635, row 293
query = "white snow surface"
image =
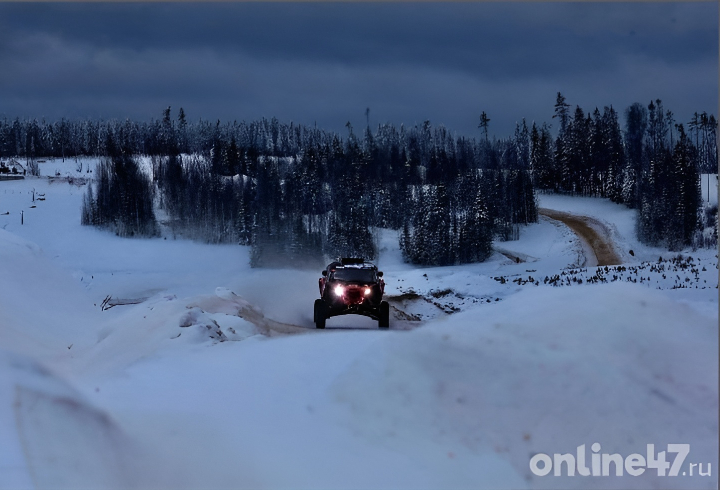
column 180, row 391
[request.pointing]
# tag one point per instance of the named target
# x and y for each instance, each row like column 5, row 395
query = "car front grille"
column 354, row 296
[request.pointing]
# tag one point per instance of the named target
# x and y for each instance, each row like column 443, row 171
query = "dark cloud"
column 326, row 63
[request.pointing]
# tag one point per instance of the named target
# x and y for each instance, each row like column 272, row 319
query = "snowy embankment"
column 151, row 394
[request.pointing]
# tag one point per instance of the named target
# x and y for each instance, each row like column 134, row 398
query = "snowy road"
column 592, row 232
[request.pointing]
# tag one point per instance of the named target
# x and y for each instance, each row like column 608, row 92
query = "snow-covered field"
column 484, row 366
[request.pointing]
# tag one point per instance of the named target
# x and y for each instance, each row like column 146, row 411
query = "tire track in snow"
column 229, row 303
column 591, row 231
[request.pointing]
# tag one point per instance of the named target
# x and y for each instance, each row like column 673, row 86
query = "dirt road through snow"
column 591, row 231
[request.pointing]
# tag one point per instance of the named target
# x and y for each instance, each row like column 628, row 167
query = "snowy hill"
column 209, row 374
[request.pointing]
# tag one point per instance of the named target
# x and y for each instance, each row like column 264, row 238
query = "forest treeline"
column 653, row 166
column 297, row 193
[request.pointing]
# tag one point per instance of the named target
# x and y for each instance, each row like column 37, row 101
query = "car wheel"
column 320, row 313
column 384, row 314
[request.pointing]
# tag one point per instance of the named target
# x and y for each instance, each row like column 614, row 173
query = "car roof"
column 362, row 265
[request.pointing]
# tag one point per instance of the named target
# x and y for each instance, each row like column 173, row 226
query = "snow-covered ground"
column 484, row 366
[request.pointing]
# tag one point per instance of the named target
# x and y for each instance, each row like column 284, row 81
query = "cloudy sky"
column 326, row 63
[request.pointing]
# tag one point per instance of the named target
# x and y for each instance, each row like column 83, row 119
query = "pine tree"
column 616, row 156
column 686, row 179
column 124, row 199
column 635, row 127
column 562, row 144
column 475, row 233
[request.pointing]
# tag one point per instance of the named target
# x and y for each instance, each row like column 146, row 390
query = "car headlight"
column 339, row 290
column 368, row 291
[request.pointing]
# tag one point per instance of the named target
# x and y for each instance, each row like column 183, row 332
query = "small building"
column 11, row 169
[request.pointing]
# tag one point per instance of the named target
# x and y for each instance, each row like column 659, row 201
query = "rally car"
column 351, row 286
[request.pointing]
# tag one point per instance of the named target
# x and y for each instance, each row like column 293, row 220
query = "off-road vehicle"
column 351, row 286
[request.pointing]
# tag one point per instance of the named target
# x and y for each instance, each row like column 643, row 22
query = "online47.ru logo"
column 634, row 465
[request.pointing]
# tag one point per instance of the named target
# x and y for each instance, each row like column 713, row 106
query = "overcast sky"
column 326, row 63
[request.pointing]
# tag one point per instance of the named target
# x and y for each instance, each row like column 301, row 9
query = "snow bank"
column 463, row 402
column 554, row 244
column 52, row 438
column 544, row 371
column 43, row 311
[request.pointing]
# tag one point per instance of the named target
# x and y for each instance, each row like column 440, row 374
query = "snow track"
column 229, row 303
column 600, row 249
